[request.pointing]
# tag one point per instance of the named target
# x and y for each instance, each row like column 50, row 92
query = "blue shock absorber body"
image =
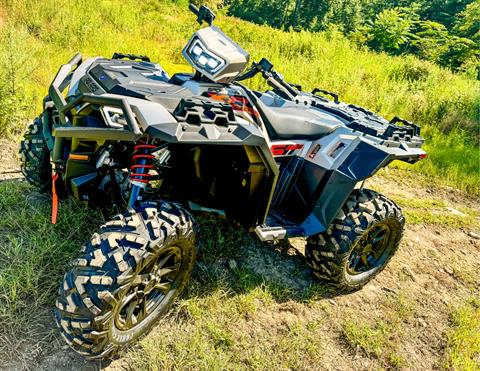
column 139, row 175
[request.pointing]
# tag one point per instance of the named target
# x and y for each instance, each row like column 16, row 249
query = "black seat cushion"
column 295, row 121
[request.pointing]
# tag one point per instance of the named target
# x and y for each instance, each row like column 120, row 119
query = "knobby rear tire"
column 328, row 254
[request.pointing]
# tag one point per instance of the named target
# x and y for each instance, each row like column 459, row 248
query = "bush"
column 390, row 30
column 14, row 104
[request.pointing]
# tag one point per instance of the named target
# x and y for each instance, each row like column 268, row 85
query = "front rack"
column 62, row 80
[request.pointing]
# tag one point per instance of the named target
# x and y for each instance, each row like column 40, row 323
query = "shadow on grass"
column 237, row 262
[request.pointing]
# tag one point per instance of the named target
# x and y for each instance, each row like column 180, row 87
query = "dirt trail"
column 435, row 269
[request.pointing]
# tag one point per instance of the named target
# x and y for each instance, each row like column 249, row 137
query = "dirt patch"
column 9, row 163
column 406, row 184
column 282, row 263
column 42, row 348
column 433, row 270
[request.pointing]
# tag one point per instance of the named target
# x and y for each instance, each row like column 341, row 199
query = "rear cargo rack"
column 416, row 128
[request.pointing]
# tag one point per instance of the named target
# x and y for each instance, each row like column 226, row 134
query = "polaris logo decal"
column 285, row 149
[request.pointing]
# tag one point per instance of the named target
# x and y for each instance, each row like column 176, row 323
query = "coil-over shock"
column 142, row 160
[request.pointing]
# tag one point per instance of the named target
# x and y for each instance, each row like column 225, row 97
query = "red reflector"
column 422, row 156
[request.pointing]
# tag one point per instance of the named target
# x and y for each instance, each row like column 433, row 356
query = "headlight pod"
column 203, row 58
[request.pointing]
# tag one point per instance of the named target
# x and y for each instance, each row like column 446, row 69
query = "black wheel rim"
column 149, row 288
column 370, row 250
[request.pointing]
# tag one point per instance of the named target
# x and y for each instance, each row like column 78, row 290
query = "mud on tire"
column 35, row 157
column 358, row 244
column 143, row 256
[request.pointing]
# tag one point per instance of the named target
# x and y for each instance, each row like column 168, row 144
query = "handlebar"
column 274, row 79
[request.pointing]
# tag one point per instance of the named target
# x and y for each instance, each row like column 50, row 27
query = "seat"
column 288, row 120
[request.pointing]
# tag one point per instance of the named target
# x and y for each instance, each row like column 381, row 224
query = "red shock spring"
column 142, row 163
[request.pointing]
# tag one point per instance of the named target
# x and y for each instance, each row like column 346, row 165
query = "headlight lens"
column 203, row 58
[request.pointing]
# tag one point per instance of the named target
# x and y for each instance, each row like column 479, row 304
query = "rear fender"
column 362, row 162
column 321, row 178
column 360, row 159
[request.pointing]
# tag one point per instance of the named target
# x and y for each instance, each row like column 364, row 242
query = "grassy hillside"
column 36, row 39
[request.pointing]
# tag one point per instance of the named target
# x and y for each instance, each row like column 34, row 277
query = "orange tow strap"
column 54, row 198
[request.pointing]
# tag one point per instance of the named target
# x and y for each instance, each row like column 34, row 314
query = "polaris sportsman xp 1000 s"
column 121, row 135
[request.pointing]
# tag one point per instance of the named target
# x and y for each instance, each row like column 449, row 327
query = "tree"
column 446, row 32
column 390, row 30
column 467, row 23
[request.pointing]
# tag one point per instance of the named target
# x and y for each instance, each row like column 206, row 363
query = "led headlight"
column 203, row 58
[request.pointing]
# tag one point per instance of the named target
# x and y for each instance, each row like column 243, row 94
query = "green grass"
column 34, row 254
column 35, row 40
column 220, row 332
column 434, row 212
column 453, row 160
column 254, row 314
column 375, row 341
column 381, row 336
column 463, row 348
column 209, row 326
column 229, row 317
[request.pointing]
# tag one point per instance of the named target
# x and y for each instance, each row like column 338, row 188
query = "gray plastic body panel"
column 78, row 74
column 327, row 173
column 238, row 134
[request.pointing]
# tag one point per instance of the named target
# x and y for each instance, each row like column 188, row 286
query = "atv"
column 120, row 135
